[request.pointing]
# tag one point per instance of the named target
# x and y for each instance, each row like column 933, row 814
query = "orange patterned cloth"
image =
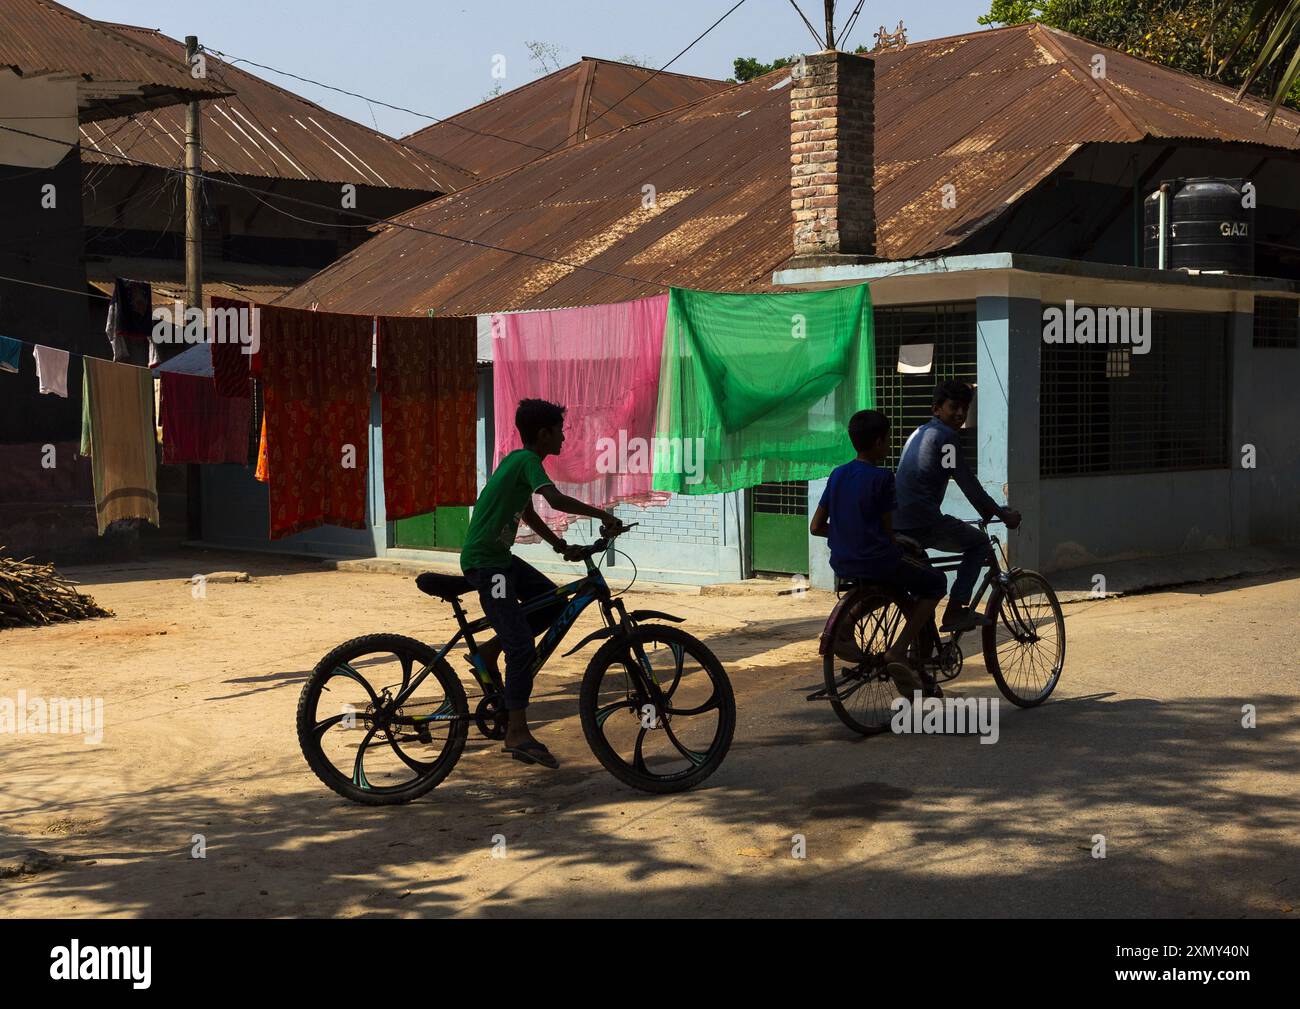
column 428, row 397
column 316, row 370
column 262, row 472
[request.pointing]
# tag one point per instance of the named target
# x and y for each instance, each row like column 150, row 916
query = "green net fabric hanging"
column 760, row 387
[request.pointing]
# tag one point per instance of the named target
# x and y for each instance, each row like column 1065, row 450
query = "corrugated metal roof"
column 265, row 131
column 586, row 99
column 39, row 38
column 992, row 114
column 167, row 292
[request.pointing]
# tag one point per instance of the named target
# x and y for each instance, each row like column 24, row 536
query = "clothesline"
column 77, row 353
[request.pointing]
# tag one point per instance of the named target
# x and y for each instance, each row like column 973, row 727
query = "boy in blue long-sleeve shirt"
column 931, row 457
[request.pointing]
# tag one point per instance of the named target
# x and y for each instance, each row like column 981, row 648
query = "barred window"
column 1277, row 323
column 1104, row 409
column 905, row 397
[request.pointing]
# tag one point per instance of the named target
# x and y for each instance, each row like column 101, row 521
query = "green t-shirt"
column 495, row 524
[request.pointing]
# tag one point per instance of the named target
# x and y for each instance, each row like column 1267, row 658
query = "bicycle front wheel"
column 358, row 743
column 1024, row 645
column 657, row 747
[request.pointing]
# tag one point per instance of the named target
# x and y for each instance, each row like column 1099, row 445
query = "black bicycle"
column 1023, row 643
column 383, row 718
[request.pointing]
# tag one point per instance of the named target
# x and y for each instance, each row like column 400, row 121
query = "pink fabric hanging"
column 602, row 363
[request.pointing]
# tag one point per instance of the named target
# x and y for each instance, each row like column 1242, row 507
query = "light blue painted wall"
column 1264, row 418
column 236, row 512
column 1103, row 518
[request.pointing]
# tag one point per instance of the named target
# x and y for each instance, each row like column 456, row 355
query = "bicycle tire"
column 1004, row 678
column 594, row 716
column 873, row 597
column 310, row 732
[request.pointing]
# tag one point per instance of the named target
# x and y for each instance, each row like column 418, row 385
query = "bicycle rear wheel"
column 860, row 691
column 1024, row 645
column 358, row 744
column 667, row 748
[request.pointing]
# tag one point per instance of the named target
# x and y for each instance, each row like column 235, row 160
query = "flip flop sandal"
column 532, row 753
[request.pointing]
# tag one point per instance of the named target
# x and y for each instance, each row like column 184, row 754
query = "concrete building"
column 1007, row 176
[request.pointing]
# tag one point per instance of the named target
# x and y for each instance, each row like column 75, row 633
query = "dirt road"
column 1143, row 743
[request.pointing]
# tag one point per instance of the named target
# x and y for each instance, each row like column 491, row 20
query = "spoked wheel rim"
column 865, row 693
column 362, row 739
column 668, row 738
column 1027, row 640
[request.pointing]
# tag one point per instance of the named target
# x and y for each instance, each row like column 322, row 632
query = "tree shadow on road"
column 1198, row 814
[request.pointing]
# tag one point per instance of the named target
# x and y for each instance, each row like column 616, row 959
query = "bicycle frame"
column 591, row 588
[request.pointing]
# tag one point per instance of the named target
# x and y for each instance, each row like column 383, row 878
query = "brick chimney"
column 832, row 139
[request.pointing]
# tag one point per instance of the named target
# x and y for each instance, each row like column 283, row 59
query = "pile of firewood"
column 35, row 594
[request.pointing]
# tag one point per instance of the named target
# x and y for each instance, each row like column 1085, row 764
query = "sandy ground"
column 1142, row 743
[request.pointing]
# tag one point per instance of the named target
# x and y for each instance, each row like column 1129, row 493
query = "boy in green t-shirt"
column 504, row 581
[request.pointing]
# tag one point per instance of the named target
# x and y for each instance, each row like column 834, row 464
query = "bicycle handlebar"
column 602, row 544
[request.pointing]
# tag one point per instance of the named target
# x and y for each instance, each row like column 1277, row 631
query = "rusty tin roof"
column 263, row 130
column 992, row 113
column 39, row 38
column 586, row 99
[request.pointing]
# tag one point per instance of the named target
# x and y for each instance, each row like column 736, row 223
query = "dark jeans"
column 956, row 537
column 502, row 593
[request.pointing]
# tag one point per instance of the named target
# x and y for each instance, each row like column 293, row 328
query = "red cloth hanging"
column 316, row 372
column 428, row 397
column 230, row 365
column 200, row 426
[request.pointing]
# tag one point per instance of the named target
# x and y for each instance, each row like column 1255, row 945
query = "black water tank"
column 1209, row 229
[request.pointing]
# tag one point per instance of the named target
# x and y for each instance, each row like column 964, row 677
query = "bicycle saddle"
column 909, row 544
column 447, row 587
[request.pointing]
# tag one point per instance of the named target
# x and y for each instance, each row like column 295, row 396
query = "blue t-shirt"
column 857, row 497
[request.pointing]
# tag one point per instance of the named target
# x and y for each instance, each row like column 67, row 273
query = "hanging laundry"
column 228, row 336
column 9, row 354
column 52, row 370
column 256, row 425
column 760, row 387
column 118, row 435
column 198, row 425
column 262, row 473
column 316, row 370
column 602, row 364
column 130, row 323
column 428, row 394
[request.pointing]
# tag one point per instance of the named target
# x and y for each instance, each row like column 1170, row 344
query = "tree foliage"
column 1195, row 36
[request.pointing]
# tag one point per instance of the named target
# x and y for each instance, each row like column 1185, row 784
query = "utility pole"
column 193, row 193
column 830, row 24
column 193, row 267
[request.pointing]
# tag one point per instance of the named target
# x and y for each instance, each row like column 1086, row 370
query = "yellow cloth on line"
column 118, row 435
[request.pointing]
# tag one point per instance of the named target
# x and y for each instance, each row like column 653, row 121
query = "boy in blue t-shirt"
column 855, row 515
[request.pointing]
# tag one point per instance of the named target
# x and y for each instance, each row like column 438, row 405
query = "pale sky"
column 436, row 57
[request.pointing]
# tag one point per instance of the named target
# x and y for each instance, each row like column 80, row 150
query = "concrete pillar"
column 1008, row 344
column 820, row 575
column 1242, row 410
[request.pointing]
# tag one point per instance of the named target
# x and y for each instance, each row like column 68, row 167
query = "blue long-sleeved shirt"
column 922, row 478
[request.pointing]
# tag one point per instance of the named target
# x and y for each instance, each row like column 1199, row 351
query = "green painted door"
column 440, row 529
column 778, row 522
